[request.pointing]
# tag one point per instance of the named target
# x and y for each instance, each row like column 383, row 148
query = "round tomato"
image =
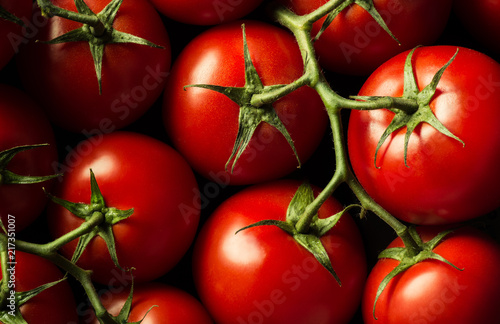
column 203, row 124
column 262, row 275
column 434, row 292
column 445, row 181
column 480, row 18
column 11, row 33
column 62, row 77
column 205, row 12
column 55, row 304
column 132, row 171
column 171, row 305
column 356, row 44
column 22, row 122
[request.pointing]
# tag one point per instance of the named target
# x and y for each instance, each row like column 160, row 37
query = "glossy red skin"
column 63, row 79
column 262, row 275
column 55, row 304
column 445, row 181
column 132, row 171
column 11, row 34
column 480, row 18
column 203, row 124
column 434, row 292
column 22, row 122
column 205, row 12
column 355, row 44
column 172, row 305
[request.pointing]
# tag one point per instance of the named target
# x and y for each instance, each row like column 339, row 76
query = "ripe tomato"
column 355, row 44
column 172, row 305
column 203, row 124
column 480, row 18
column 22, row 122
column 205, row 12
column 62, row 77
column 434, row 292
column 132, row 171
column 445, row 181
column 56, row 304
column 262, row 275
column 11, row 34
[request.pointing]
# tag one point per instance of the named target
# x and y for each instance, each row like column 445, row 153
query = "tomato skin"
column 434, row 292
column 444, row 182
column 205, row 12
column 132, row 171
column 11, row 34
column 172, row 305
column 62, row 77
column 22, row 122
column 263, row 275
column 203, row 124
column 355, row 44
column 55, row 304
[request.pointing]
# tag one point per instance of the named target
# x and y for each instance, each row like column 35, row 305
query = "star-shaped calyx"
column 250, row 116
column 423, row 114
column 6, row 15
column 100, row 35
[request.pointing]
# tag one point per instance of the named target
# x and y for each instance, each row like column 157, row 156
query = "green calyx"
column 408, row 258
column 8, row 177
column 6, row 15
column 250, row 116
column 85, row 211
column 100, row 34
column 365, row 4
column 412, row 118
column 309, row 235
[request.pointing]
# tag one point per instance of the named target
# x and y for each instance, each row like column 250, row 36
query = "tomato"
column 172, row 305
column 480, row 18
column 203, row 124
column 22, row 122
column 444, row 181
column 62, row 77
column 434, row 292
column 11, row 34
column 55, row 304
column 262, row 275
column 205, row 12
column 355, row 44
column 132, row 171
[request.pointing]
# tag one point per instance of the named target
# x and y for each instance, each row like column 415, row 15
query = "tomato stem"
column 50, row 10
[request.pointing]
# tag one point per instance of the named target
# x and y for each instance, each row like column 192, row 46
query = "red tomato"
column 480, row 18
column 22, row 122
column 205, row 12
column 445, row 181
column 172, row 305
column 355, row 44
column 53, row 305
column 132, row 171
column 203, row 124
column 434, row 292
column 262, row 275
column 63, row 79
column 11, row 34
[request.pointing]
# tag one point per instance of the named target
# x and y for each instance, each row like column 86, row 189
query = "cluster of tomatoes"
column 143, row 129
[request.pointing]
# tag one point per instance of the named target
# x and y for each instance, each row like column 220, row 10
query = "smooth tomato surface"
column 355, row 44
column 434, row 292
column 203, row 124
column 22, row 122
column 205, row 12
column 63, row 79
column 445, row 181
column 172, row 305
column 53, row 305
column 132, row 171
column 262, row 275
column 11, row 34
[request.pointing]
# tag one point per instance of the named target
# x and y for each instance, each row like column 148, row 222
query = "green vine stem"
column 50, row 10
